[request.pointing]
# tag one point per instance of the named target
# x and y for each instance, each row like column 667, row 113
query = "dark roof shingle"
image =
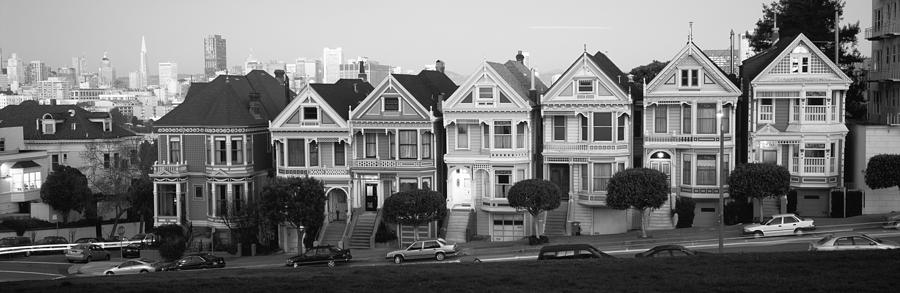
column 427, row 86
column 28, row 113
column 343, row 94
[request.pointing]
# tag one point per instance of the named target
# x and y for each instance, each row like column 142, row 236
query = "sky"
column 407, row 33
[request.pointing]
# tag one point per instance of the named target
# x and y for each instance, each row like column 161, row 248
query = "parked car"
column 131, row 250
column 851, row 241
column 780, row 224
column 148, row 239
column 51, row 240
column 319, row 255
column 86, row 252
column 571, row 251
column 16, row 241
column 88, row 240
column 436, row 248
column 670, row 251
column 134, row 266
column 195, row 261
column 892, row 221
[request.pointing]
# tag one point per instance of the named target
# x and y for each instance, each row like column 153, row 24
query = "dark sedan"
column 670, row 251
column 194, row 262
column 131, row 251
column 320, row 255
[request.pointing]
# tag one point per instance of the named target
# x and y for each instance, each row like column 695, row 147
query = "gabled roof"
column 27, row 113
column 426, row 85
column 518, row 77
column 343, row 94
column 610, row 69
column 225, row 102
column 753, row 66
column 725, row 81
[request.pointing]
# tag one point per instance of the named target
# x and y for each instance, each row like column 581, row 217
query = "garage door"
column 509, row 227
column 705, row 214
column 812, row 205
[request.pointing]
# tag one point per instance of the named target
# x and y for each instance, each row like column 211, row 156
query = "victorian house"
column 311, row 137
column 587, row 118
column 796, row 119
column 214, row 151
column 395, row 134
column 489, row 148
column 688, row 110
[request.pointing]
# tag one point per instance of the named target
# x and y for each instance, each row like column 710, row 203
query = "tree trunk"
column 760, row 201
column 299, row 242
column 645, row 218
column 536, row 225
column 116, row 222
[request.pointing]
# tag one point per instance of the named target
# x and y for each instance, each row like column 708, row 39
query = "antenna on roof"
column 690, row 32
column 585, row 48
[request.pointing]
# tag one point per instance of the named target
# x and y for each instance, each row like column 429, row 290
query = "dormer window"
column 690, row 78
column 391, row 104
column 310, row 113
column 485, row 96
column 800, row 60
column 585, row 86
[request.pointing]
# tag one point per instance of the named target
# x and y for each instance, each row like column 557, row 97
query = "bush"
column 384, row 234
column 684, row 207
column 172, row 241
column 738, row 212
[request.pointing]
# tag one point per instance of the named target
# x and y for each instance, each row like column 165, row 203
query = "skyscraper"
column 15, row 70
column 168, row 78
column 107, row 73
column 214, row 55
column 332, row 59
column 142, row 71
column 37, row 71
column 80, row 65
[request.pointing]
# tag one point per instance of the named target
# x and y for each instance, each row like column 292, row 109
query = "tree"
column 297, row 201
column 147, row 155
column 639, row 188
column 646, row 73
column 140, row 195
column 172, row 241
column 111, row 168
column 66, row 189
column 883, row 171
column 243, row 223
column 535, row 196
column 414, row 207
column 758, row 181
column 815, row 19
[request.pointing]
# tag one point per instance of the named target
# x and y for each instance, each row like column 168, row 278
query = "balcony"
column 684, row 138
column 883, row 30
column 229, row 171
column 590, row 199
column 315, row 172
column 375, row 163
column 766, row 113
column 578, row 147
column 497, row 205
column 509, row 154
column 164, row 169
column 813, row 166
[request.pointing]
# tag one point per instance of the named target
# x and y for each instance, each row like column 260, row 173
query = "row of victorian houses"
column 473, row 141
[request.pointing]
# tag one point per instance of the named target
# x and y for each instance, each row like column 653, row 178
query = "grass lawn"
column 875, row 271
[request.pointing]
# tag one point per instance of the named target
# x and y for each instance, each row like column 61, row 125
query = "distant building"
column 214, row 55
column 307, row 70
column 134, row 80
column 15, row 70
column 37, row 71
column 371, row 71
column 53, row 88
column 251, row 64
column 88, row 94
column 23, row 172
column 143, row 74
column 331, row 59
column 6, row 100
column 107, row 72
column 168, row 78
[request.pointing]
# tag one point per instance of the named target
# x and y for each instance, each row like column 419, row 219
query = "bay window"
column 584, row 128
column 392, row 145
column 503, row 183
column 686, row 170
column 706, row 170
column 706, row 118
column 520, row 135
column 620, row 135
column 584, row 177
column 503, row 134
column 174, row 149
column 426, row 145
column 340, row 155
column 485, row 136
column 602, row 174
column 237, row 150
column 296, row 152
column 408, row 144
column 686, row 119
column 602, row 126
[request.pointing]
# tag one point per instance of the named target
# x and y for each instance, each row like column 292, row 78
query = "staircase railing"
column 320, row 235
column 351, row 225
column 375, row 229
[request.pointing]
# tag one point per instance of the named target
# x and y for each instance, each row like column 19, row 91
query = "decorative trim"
column 215, row 130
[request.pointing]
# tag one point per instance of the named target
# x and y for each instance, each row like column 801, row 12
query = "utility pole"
column 731, row 51
column 837, row 44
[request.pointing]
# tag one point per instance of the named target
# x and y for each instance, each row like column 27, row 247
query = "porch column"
column 214, row 196
column 178, row 201
column 246, row 198
column 155, row 203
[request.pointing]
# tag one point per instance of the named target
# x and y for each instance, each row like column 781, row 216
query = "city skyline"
column 552, row 34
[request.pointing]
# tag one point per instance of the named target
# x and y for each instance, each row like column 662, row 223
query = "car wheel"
column 477, row 260
column 398, row 259
column 798, row 232
column 758, row 234
column 110, row 273
column 439, row 256
column 296, row 265
column 144, row 271
column 331, row 263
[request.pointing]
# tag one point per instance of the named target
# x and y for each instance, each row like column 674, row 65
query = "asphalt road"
column 38, row 267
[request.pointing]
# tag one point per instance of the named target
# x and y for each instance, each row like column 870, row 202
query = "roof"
column 518, row 76
column 225, row 102
column 426, row 85
column 610, row 69
column 565, row 246
column 27, row 113
column 25, row 164
column 343, row 94
column 753, row 66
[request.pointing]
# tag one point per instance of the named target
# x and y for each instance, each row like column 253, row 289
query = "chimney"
column 630, row 78
column 279, row 74
column 520, row 58
column 439, row 66
column 255, row 105
column 362, row 71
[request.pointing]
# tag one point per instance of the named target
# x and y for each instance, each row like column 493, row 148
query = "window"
column 392, row 146
column 686, row 170
column 237, row 150
column 585, row 86
column 371, row 145
column 340, row 154
column 814, row 150
column 106, row 161
column 726, row 119
column 621, row 128
column 690, row 77
column 426, row 183
column 426, row 145
column 706, row 118
column 391, row 104
column 659, row 120
column 249, row 149
column 296, row 152
column 407, row 184
column 220, row 153
column 766, row 110
column 49, row 127
column 54, row 160
column 462, row 136
column 602, row 174
column 237, row 192
column 198, row 192
column 116, row 160
column 504, row 183
column 174, row 149
column 706, row 169
column 584, row 128
column 408, row 144
column 800, row 60
column 486, row 136
column 2, row 144
column 602, row 126
column 520, row 135
column 485, row 96
column 503, row 134
column 310, row 113
column 559, row 128
column 584, row 177
column 686, row 119
column 313, row 153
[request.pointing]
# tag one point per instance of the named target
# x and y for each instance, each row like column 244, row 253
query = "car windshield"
column 770, row 221
column 824, row 240
column 873, row 238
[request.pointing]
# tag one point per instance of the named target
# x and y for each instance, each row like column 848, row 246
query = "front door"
column 337, row 205
column 371, row 193
column 559, row 174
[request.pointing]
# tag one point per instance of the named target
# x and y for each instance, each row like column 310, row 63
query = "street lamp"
column 721, row 208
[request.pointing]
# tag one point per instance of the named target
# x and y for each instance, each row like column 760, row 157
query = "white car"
column 851, row 241
column 135, row 266
column 780, row 224
column 422, row 249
